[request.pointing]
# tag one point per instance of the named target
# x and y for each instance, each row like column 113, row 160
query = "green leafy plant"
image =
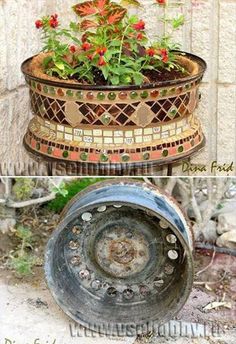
column 23, row 188
column 107, row 45
column 71, row 188
column 21, row 260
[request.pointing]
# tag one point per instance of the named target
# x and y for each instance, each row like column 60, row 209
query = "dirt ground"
column 28, row 311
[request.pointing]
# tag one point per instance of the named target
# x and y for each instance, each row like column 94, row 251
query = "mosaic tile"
column 88, row 132
column 68, row 130
column 129, row 134
column 138, row 131
column 156, row 136
column 68, row 137
column 97, row 132
column 138, row 139
column 88, row 139
column 172, row 132
column 65, row 154
column 147, row 138
column 128, row 140
column 60, row 128
column 118, row 133
column 165, row 135
column 98, row 140
column 52, row 126
column 78, row 138
column 78, row 132
column 156, row 130
column 60, row 135
column 118, row 140
column 148, row 131
column 108, row 140
column 107, row 133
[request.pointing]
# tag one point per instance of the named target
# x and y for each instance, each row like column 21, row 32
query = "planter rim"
column 62, row 84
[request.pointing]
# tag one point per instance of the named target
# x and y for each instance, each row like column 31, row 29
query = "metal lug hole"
column 169, row 269
column 143, row 290
column 96, row 285
column 163, row 224
column 84, row 274
column 129, row 235
column 158, row 283
column 112, row 292
column 75, row 260
column 73, row 245
column 102, row 209
column 76, row 230
column 86, row 217
column 128, row 294
column 171, row 238
column 173, row 255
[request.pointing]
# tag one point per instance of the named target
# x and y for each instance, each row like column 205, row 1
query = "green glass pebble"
column 79, row 95
column 172, row 90
column 180, row 149
column 49, row 150
column 173, row 111
column 45, row 89
column 84, row 156
column 144, row 94
column 104, row 157
column 34, row 84
column 69, row 93
column 163, row 93
column 165, row 153
column 111, row 96
column 38, row 146
column 65, row 154
column 52, row 90
column 125, row 157
column 101, row 96
column 133, row 95
column 146, row 156
column 106, row 119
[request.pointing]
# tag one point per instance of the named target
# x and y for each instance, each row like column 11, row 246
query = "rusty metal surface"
column 120, row 258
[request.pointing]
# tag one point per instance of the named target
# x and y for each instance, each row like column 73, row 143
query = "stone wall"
column 210, row 32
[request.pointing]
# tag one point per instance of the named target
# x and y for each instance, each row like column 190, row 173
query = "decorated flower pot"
column 115, row 126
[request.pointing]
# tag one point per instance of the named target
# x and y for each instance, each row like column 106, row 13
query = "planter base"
column 147, row 168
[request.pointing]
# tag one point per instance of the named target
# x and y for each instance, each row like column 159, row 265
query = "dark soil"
column 151, row 76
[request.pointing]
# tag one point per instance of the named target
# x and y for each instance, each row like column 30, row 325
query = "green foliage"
column 72, row 188
column 21, row 260
column 107, row 40
column 23, row 188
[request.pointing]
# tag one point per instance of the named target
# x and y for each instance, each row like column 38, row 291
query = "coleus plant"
column 107, row 45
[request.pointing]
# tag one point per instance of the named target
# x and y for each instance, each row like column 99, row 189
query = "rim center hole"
column 122, row 251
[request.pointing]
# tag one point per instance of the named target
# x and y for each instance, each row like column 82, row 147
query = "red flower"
column 90, row 57
column 161, row 2
column 101, row 51
column 72, row 49
column 53, row 22
column 101, row 61
column 151, row 52
column 39, row 24
column 164, row 55
column 86, row 46
column 139, row 26
column 140, row 36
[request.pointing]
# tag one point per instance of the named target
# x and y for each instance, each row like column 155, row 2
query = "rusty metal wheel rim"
column 87, row 260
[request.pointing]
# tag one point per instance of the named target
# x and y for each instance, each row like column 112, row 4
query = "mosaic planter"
column 107, row 125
